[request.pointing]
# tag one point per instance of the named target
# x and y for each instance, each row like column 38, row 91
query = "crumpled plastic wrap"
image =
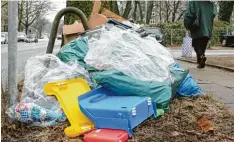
column 40, row 70
column 142, row 58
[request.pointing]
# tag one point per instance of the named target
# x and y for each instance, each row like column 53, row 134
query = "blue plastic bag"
column 179, row 75
column 188, row 87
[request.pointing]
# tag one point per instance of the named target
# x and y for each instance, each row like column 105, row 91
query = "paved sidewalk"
column 177, row 53
column 217, row 82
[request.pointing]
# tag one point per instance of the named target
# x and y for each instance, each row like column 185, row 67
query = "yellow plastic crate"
column 67, row 93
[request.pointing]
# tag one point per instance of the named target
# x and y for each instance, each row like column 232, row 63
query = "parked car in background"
column 228, row 39
column 4, row 38
column 31, row 38
column 156, row 33
column 21, row 37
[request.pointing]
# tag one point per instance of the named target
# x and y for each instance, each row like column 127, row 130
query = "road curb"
column 207, row 64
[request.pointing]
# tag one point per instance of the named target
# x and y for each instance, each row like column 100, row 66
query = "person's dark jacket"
column 198, row 18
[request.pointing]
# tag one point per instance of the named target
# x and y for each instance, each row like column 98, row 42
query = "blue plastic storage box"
column 115, row 112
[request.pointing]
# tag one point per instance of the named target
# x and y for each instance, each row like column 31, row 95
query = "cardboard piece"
column 112, row 15
column 96, row 19
column 70, row 31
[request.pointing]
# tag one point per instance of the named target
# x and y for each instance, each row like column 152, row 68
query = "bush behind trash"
column 175, row 31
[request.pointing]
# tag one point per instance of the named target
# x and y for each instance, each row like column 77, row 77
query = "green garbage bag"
column 76, row 51
column 121, row 84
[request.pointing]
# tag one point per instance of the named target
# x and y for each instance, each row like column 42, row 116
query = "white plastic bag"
column 187, row 48
column 142, row 58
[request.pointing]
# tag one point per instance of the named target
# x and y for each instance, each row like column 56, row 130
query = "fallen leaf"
column 13, row 126
column 204, row 124
column 174, row 134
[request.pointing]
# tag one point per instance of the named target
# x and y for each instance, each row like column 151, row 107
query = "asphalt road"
column 25, row 51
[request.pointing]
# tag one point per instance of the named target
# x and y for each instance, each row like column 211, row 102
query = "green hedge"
column 220, row 28
column 178, row 31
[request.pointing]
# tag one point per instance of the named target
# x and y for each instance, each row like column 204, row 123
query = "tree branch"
column 4, row 5
column 23, row 23
column 181, row 15
column 30, row 23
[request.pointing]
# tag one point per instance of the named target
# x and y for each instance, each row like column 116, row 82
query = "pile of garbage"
column 118, row 58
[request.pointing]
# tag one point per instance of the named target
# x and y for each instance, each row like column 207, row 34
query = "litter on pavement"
column 128, row 78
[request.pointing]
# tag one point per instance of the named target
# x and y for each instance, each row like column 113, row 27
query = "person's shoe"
column 202, row 62
column 199, row 66
column 198, row 61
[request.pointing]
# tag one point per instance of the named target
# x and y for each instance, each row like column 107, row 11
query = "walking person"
column 198, row 19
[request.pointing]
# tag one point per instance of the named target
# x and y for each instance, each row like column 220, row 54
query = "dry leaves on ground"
column 204, row 124
column 180, row 124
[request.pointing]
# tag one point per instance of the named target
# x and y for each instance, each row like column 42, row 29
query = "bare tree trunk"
column 160, row 11
column 110, row 5
column 127, row 10
column 168, row 10
column 135, row 11
column 175, row 8
column 26, row 24
column 140, row 10
column 20, row 15
column 26, row 29
column 149, row 11
column 173, row 14
column 115, row 7
column 40, row 32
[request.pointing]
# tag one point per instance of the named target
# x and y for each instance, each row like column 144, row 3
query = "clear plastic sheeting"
column 124, row 50
column 40, row 70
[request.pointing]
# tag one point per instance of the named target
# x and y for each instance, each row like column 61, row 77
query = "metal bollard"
column 55, row 25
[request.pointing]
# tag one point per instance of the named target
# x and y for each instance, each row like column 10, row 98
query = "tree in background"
column 175, row 10
column 225, row 10
column 113, row 6
column 39, row 25
column 4, row 15
column 150, row 6
column 167, row 11
column 20, row 15
column 136, row 12
column 86, row 7
column 127, row 10
column 30, row 11
column 4, row 3
column 134, row 15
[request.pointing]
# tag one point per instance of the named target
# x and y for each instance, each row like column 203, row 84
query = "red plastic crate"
column 106, row 135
